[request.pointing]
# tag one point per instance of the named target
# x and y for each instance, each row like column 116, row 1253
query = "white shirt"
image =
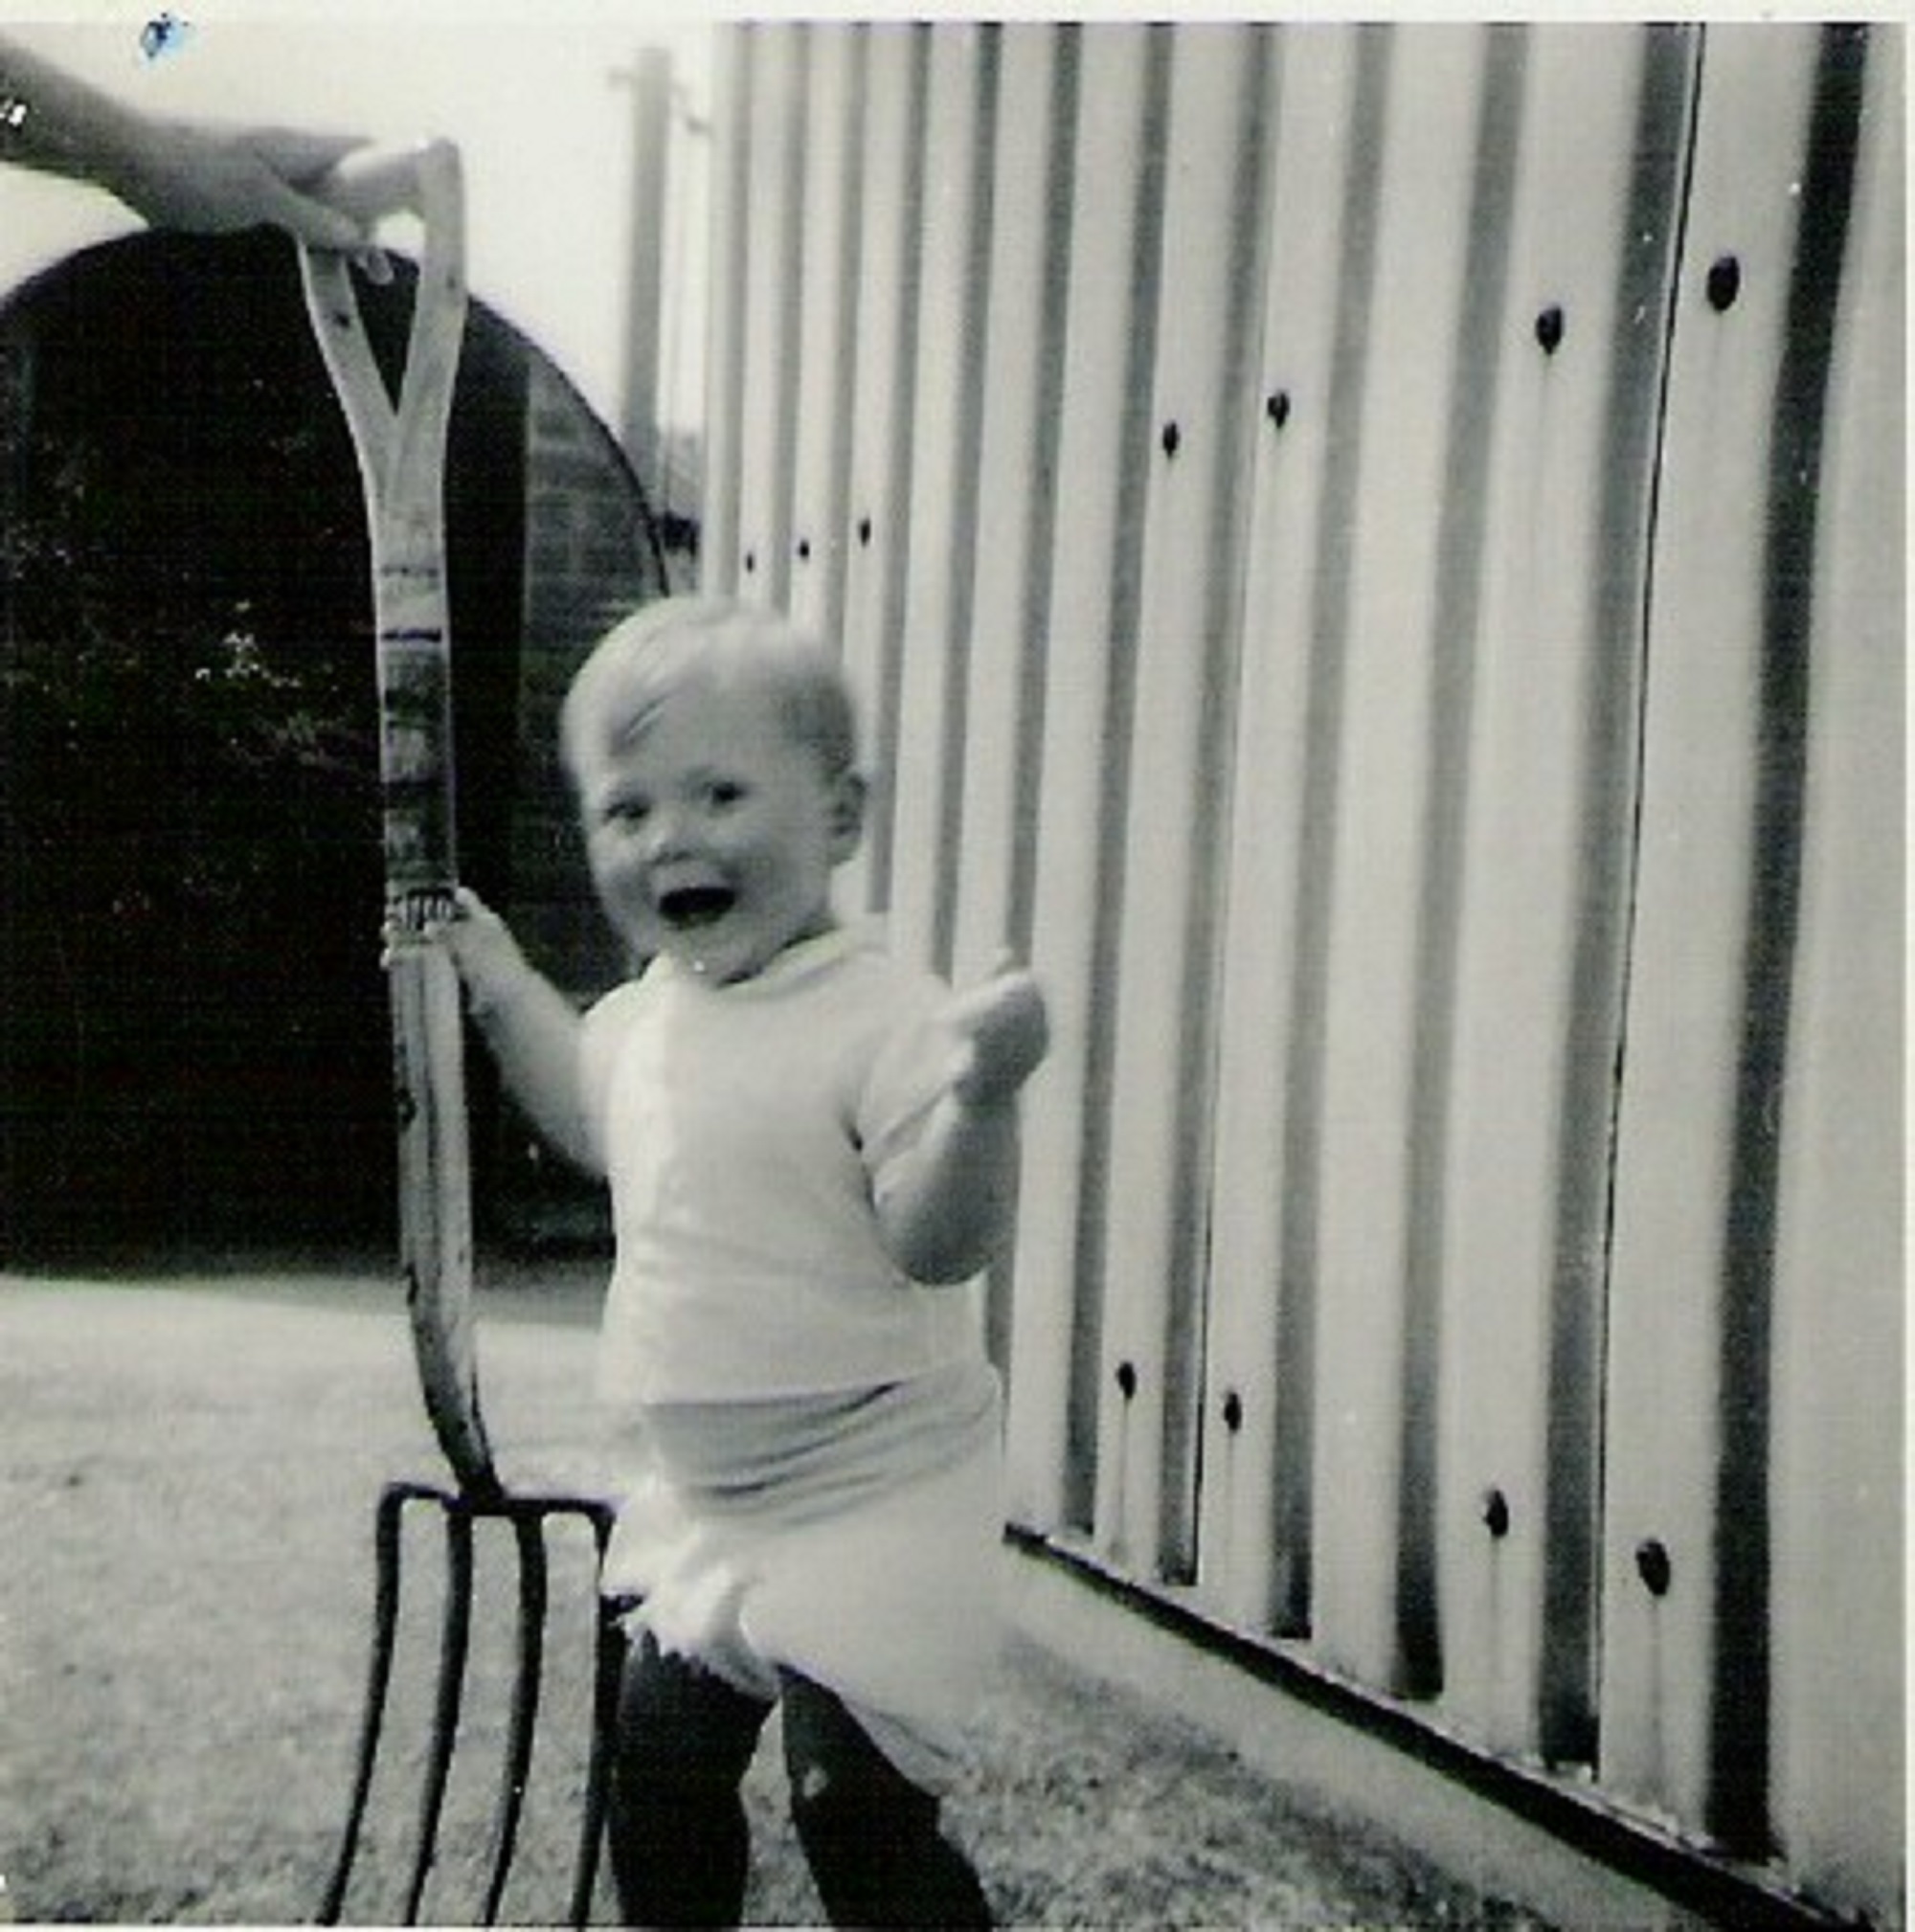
column 746, row 1131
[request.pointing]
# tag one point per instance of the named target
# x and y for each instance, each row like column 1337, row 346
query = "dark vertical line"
column 849, row 189
column 726, row 380
column 891, row 520
column 483, row 495
column 1120, row 713
column 1739, row 1702
column 957, row 640
column 1187, row 1305
column 1322, row 738
column 1475, row 356
column 1610, row 786
column 829, row 514
column 1061, row 171
column 791, row 243
column 1034, row 603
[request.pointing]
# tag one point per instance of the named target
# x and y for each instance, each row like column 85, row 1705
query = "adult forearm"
column 52, row 122
column 175, row 173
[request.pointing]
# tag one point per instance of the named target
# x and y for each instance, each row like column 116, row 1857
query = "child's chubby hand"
column 1002, row 1033
column 478, row 943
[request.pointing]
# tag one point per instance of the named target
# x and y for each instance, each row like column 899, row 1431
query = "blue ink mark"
column 163, row 33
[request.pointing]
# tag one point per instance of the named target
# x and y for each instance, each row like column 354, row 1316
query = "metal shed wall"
column 1374, row 554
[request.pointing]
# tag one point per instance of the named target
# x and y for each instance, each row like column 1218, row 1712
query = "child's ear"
column 848, row 793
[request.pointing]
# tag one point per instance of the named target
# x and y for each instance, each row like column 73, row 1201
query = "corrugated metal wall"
column 1374, row 554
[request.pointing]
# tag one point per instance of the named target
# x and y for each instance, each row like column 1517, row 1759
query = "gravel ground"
column 188, row 1468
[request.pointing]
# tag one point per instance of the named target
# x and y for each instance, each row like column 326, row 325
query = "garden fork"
column 400, row 448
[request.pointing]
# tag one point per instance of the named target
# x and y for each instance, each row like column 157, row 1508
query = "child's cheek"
column 621, row 889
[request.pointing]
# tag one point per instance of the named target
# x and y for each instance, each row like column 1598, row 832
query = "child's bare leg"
column 679, row 1839
column 870, row 1835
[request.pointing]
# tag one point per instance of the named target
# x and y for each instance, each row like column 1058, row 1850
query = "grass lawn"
column 189, row 1465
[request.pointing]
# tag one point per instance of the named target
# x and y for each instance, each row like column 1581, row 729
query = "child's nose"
column 668, row 833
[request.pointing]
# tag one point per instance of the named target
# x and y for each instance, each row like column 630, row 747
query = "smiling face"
column 712, row 829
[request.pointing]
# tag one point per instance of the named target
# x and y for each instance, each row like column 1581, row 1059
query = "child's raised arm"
column 531, row 1027
column 943, row 1213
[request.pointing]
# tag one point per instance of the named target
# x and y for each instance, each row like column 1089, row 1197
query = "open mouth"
column 690, row 908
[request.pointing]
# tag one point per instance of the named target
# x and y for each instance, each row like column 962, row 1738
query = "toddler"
column 811, row 1149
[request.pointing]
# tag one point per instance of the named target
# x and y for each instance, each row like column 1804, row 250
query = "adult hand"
column 214, row 181
column 174, row 172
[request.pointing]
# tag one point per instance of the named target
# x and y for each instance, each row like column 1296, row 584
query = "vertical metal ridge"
column 836, row 86
column 1064, row 101
column 964, row 561
column 789, row 280
column 885, row 701
column 1611, row 783
column 1476, row 361
column 725, row 369
column 1086, row 1390
column 1739, row 1700
column 1221, row 641
column 1328, row 644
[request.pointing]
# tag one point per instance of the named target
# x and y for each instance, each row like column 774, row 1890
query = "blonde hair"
column 658, row 650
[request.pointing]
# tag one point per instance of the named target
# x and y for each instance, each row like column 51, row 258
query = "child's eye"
column 722, row 793
column 631, row 811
